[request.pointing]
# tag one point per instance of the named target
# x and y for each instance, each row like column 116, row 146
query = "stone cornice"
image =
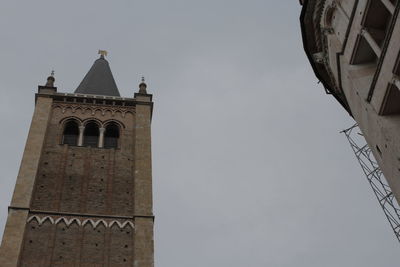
column 96, row 99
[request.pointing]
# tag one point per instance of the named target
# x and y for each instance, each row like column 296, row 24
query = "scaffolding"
column 375, row 177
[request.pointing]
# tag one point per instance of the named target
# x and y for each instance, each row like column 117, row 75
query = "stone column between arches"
column 101, row 137
column 80, row 138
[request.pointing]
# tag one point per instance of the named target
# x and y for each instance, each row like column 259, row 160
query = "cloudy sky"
column 249, row 166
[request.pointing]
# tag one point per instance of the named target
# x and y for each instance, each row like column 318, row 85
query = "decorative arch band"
column 68, row 222
column 81, row 109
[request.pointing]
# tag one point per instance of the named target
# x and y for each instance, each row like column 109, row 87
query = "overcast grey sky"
column 249, row 166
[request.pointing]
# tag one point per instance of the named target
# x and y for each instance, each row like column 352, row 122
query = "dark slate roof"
column 99, row 80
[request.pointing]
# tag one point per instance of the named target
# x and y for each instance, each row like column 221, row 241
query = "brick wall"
column 58, row 244
column 83, row 181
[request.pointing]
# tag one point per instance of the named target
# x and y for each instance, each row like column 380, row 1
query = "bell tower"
column 83, row 195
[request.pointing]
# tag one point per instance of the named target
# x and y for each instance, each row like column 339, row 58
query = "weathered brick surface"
column 65, row 244
column 36, row 244
column 11, row 245
column 143, row 184
column 143, row 180
column 85, row 179
column 13, row 238
column 32, row 153
column 121, row 246
column 69, row 245
column 93, row 245
column 144, row 242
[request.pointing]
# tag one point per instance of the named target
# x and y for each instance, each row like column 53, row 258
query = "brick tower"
column 83, row 195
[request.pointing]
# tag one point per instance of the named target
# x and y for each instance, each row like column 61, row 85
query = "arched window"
column 71, row 133
column 91, row 135
column 111, row 136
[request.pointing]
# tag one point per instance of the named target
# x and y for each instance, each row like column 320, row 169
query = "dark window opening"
column 391, row 101
column 91, row 135
column 377, row 20
column 376, row 24
column 71, row 133
column 364, row 54
column 111, row 136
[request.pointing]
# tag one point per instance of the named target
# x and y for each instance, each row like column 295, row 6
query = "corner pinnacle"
column 142, row 86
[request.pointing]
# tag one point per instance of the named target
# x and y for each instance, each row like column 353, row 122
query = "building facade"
column 83, row 195
column 353, row 47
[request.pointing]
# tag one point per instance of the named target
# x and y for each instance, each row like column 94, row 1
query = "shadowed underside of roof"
column 99, row 80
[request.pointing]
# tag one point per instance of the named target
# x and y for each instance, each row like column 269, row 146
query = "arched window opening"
column 71, row 133
column 111, row 136
column 91, row 135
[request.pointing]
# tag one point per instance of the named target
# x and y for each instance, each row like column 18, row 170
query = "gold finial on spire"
column 103, row 53
column 52, row 73
column 143, row 80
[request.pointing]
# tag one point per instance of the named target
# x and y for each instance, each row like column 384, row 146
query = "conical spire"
column 99, row 80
